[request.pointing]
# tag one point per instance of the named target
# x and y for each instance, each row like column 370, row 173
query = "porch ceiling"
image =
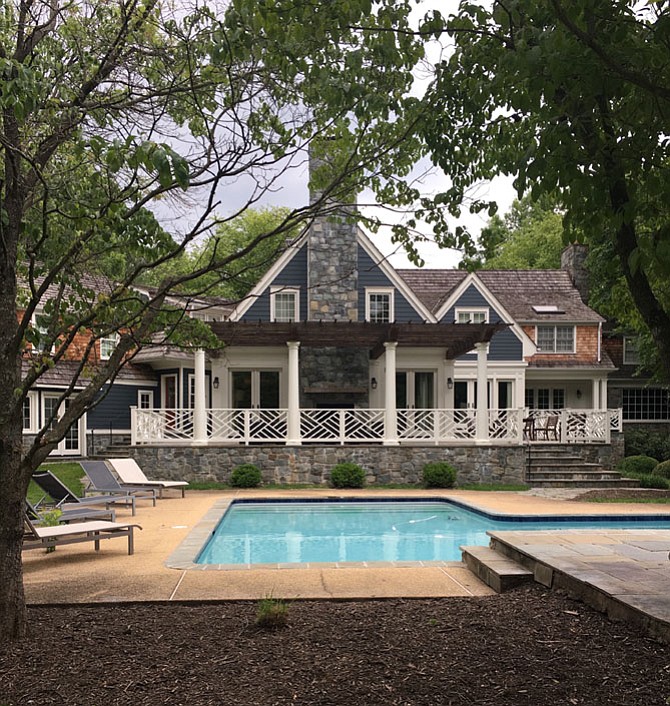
column 457, row 339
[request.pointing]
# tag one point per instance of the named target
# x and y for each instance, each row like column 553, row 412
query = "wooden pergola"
column 456, row 339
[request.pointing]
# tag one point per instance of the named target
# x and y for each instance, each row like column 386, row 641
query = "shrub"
column 662, row 470
column 637, row 464
column 246, row 476
column 649, row 480
column 643, row 442
column 347, row 475
column 272, row 613
column 439, row 475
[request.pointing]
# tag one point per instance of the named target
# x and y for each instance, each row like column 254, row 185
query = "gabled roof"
column 517, row 290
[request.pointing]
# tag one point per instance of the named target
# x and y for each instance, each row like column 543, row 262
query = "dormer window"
column 547, row 309
column 285, row 305
column 40, row 324
column 379, row 306
column 472, row 315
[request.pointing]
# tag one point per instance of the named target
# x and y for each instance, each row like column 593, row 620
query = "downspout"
column 600, row 336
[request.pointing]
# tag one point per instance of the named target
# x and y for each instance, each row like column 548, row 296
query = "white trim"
column 388, row 291
column 398, row 282
column 150, row 393
column 112, row 337
column 472, row 310
column 266, row 280
column 528, row 345
column 33, row 402
column 278, row 289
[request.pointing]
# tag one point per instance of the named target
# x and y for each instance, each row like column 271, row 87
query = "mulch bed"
column 614, row 493
column 528, row 646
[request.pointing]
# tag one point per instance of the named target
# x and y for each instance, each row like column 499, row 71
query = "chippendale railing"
column 351, row 426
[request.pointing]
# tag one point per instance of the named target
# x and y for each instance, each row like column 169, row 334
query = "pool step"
column 495, row 570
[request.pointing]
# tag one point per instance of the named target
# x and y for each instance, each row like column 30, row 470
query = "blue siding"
column 114, row 409
column 371, row 275
column 504, row 345
column 294, row 274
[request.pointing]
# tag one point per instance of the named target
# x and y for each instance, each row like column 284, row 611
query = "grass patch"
column 69, row 473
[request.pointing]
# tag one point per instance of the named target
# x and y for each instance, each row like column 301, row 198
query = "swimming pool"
column 292, row 532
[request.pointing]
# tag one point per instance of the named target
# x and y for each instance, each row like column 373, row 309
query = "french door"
column 254, row 389
column 415, row 389
column 70, row 445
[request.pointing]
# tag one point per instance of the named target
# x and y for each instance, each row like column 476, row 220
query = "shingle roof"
column 517, row 290
column 64, row 371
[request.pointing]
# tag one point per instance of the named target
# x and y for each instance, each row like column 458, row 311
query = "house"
column 337, row 355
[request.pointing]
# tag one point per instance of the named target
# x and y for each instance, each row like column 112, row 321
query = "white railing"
column 347, row 426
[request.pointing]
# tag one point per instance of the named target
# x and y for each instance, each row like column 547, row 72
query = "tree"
column 573, row 100
column 530, row 236
column 242, row 273
column 117, row 113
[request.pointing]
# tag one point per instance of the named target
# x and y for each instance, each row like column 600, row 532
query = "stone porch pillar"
column 482, row 427
column 293, row 420
column 390, row 411
column 199, row 400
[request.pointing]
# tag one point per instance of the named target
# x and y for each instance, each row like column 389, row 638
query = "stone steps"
column 551, row 468
column 494, row 569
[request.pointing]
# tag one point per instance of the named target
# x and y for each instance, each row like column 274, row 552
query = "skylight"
column 547, row 309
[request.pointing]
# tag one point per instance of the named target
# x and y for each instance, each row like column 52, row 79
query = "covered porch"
column 360, row 383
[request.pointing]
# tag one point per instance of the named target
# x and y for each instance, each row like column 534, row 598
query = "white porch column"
column 482, row 433
column 200, row 400
column 595, row 394
column 293, row 421
column 603, row 393
column 390, row 411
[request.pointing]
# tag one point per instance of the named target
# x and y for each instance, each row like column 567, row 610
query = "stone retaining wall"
column 312, row 464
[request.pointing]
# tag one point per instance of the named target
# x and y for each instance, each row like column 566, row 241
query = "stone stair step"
column 574, row 475
column 591, row 484
column 494, row 569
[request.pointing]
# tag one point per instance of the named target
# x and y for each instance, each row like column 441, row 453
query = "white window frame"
column 108, row 339
column 469, row 311
column 32, row 399
column 296, row 303
column 39, row 329
column 555, row 327
column 384, row 291
column 631, row 351
column 149, row 395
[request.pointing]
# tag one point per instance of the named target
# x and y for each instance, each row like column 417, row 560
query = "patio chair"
column 72, row 513
column 104, row 481
column 130, row 473
column 95, row 531
column 65, row 498
column 549, row 426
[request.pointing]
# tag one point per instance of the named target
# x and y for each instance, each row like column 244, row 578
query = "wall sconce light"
column 215, row 383
column 579, row 394
column 450, row 383
column 373, row 383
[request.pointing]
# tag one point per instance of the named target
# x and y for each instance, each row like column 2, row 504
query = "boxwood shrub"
column 637, row 464
column 246, row 476
column 651, row 480
column 347, row 475
column 662, row 470
column 439, row 475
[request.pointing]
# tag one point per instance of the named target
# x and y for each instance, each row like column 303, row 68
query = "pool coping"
column 184, row 556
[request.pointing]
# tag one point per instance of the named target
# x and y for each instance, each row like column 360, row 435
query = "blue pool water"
column 338, row 531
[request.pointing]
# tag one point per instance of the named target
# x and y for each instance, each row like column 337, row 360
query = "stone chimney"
column 332, row 257
column 573, row 261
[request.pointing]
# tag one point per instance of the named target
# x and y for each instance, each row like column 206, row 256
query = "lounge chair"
column 130, row 473
column 93, row 531
column 104, row 481
column 72, row 513
column 65, row 498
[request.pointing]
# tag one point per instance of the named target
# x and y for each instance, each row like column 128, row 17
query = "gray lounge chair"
column 72, row 513
column 130, row 473
column 94, row 531
column 104, row 481
column 65, row 498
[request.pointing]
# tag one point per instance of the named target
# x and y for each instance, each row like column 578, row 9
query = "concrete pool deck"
column 78, row 574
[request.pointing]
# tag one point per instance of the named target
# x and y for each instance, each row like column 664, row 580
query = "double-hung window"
column 478, row 315
column 285, row 305
column 379, row 306
column 631, row 352
column 107, row 345
column 556, row 339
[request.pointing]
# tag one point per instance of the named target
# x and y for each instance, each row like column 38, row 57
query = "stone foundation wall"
column 312, row 464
